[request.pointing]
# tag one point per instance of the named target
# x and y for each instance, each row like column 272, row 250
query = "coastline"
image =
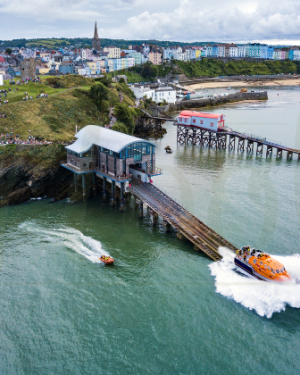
column 222, row 84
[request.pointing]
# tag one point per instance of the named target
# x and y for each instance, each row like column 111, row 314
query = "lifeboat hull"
column 107, row 261
column 249, row 270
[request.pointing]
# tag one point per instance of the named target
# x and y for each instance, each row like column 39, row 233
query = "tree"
column 120, row 127
column 154, row 71
column 8, row 50
column 99, row 93
column 146, row 71
column 125, row 115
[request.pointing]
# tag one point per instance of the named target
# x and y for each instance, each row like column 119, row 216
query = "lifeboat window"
column 277, row 271
column 266, row 266
column 273, row 270
column 269, row 268
column 254, row 261
column 261, row 263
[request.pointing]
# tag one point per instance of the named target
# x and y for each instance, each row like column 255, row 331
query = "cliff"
column 32, row 172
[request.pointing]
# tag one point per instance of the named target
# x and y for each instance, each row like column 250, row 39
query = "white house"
column 233, row 51
column 141, row 92
column 86, row 54
column 241, row 51
column 1, row 80
column 164, row 93
column 221, row 50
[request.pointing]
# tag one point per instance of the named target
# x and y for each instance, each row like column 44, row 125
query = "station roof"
column 96, row 135
column 199, row 114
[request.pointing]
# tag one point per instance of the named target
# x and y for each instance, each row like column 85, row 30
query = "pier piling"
column 104, row 189
column 83, row 187
column 75, row 181
column 122, row 207
column 113, row 193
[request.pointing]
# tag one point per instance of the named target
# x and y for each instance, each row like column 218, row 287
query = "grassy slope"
column 214, row 68
column 55, row 118
column 33, row 89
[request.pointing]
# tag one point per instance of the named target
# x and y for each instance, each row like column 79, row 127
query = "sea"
column 162, row 308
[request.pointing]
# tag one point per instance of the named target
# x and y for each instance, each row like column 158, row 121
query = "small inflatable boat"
column 106, row 259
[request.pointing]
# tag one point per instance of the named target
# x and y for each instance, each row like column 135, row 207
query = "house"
column 232, row 50
column 1, row 80
column 67, row 67
column 221, row 50
column 263, row 53
column 167, row 94
column 40, row 69
column 113, row 52
column 155, row 57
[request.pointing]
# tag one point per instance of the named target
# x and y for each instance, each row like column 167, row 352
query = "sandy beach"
column 276, row 82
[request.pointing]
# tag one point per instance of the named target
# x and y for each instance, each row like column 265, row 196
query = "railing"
column 153, row 170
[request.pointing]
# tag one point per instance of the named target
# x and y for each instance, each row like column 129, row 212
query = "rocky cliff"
column 32, row 173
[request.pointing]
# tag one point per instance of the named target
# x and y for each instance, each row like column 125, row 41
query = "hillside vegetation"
column 215, row 68
column 55, row 118
column 208, row 68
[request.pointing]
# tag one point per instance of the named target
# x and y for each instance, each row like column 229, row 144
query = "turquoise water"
column 162, row 308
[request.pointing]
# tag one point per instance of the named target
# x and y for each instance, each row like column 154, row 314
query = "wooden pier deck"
column 190, row 227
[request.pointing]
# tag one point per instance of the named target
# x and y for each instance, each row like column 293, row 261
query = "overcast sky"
column 271, row 21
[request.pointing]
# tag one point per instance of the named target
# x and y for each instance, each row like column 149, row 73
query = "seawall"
column 210, row 102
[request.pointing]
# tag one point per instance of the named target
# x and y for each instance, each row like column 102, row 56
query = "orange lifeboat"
column 260, row 265
column 106, row 259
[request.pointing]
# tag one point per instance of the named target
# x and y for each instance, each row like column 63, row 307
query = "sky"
column 267, row 21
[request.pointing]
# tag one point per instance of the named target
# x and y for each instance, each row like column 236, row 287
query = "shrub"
column 120, row 127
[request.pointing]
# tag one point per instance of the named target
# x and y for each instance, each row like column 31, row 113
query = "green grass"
column 46, row 155
column 55, row 118
column 132, row 77
column 49, row 84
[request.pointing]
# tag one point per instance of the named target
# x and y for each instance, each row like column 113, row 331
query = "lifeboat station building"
column 111, row 155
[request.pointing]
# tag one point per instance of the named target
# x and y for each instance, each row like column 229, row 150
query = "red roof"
column 199, row 114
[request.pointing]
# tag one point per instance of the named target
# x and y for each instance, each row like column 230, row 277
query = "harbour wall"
column 210, row 102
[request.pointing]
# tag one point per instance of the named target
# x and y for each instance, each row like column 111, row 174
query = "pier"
column 233, row 140
column 128, row 163
column 175, row 216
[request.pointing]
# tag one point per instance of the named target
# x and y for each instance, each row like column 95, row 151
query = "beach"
column 263, row 83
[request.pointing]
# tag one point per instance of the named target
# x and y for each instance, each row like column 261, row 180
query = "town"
column 98, row 60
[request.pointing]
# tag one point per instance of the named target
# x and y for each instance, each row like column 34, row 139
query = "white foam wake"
column 71, row 238
column 265, row 298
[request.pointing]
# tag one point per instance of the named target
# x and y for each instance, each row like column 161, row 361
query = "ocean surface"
column 162, row 308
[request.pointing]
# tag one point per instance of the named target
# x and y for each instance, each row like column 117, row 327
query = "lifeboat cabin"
column 203, row 120
column 112, row 155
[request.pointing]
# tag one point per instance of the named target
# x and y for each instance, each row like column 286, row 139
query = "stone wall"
column 238, row 97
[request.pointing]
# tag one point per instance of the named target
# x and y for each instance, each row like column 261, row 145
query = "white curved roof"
column 96, row 135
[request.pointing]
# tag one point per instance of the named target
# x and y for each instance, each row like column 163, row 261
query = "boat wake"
column 70, row 238
column 266, row 298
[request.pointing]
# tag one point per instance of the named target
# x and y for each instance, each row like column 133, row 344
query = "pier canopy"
column 106, row 138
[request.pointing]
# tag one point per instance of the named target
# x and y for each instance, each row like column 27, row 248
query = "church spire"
column 96, row 31
column 96, row 43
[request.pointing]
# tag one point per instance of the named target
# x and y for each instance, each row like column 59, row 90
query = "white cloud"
column 181, row 20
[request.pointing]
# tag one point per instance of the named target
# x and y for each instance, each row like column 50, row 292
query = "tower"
column 96, row 44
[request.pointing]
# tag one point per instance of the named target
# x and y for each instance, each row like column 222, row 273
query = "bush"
column 98, row 93
column 125, row 115
column 105, row 106
column 120, row 127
